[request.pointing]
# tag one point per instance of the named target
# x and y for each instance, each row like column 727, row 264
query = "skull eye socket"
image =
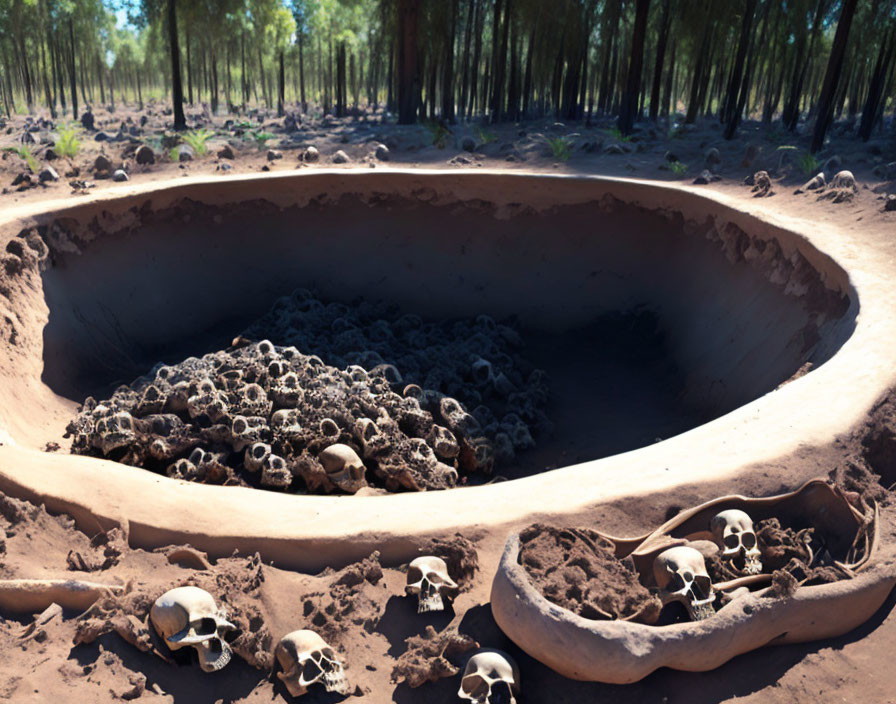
column 676, row 584
column 501, row 693
column 311, row 670
column 475, row 687
column 732, row 540
column 414, row 574
column 702, row 587
column 748, row 540
column 205, row 626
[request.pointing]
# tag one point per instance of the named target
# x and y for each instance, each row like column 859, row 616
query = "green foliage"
column 614, row 133
column 68, row 144
column 678, row 168
column 439, row 134
column 561, row 147
column 197, row 140
column 260, row 138
column 485, row 137
column 174, row 154
column 24, row 153
column 809, row 164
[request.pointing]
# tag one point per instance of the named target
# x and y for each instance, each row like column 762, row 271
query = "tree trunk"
column 734, row 81
column 665, row 21
column 73, row 69
column 448, row 70
column 670, row 77
column 697, row 76
column 832, row 75
column 281, row 88
column 477, row 56
column 177, row 90
column 340, row 80
column 633, row 83
column 465, row 66
column 408, row 76
column 302, row 73
column 189, row 66
column 876, row 87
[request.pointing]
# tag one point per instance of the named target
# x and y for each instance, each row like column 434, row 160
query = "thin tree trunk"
column 633, row 84
column 177, row 90
column 876, row 87
column 408, row 77
column 281, row 87
column 665, row 22
column 302, row 72
column 448, row 69
column 73, row 69
column 832, row 75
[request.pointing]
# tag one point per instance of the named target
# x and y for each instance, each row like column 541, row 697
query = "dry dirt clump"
column 460, row 557
column 430, row 656
column 263, row 414
column 578, row 570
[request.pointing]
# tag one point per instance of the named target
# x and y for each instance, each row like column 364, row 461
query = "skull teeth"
column 430, row 603
column 335, row 682
column 701, row 611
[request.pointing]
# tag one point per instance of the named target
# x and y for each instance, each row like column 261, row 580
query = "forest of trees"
column 795, row 62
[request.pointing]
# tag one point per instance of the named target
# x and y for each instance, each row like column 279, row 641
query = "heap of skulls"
column 399, row 404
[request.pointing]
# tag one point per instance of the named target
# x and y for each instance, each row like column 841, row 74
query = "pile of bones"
column 189, row 617
column 401, row 403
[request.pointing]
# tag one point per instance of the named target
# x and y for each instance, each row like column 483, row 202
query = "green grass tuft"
column 561, row 147
column 68, row 144
column 678, row 168
column 197, row 139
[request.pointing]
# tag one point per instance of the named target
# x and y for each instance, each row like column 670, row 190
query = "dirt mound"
column 459, row 555
column 578, row 570
column 430, row 657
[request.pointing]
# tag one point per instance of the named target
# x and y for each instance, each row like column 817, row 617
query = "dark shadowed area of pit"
column 647, row 325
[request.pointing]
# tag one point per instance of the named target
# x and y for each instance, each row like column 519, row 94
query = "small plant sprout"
column 439, row 133
column 485, row 137
column 561, row 147
column 678, row 168
column 260, row 138
column 174, row 154
column 809, row 164
column 197, row 140
column 24, row 153
column 67, row 144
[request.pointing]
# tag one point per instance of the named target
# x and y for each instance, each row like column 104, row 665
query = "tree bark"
column 448, row 70
column 408, row 76
column 633, row 83
column 281, row 88
column 302, row 73
column 876, row 87
column 665, row 21
column 177, row 89
column 73, row 69
column 832, row 75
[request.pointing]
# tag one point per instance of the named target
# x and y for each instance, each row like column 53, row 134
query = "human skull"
column 490, row 677
column 343, row 467
column 428, row 579
column 115, row 431
column 733, row 532
column 189, row 617
column 306, row 659
column 255, row 456
column 681, row 575
column 373, row 440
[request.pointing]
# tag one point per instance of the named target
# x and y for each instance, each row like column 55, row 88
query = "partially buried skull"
column 343, row 467
column 306, row 659
column 189, row 617
column 428, row 579
column 490, row 677
column 733, row 532
column 681, row 575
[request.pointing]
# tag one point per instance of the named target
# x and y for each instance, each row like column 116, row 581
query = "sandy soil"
column 364, row 613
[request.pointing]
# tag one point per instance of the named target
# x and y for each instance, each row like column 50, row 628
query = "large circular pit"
column 656, row 313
